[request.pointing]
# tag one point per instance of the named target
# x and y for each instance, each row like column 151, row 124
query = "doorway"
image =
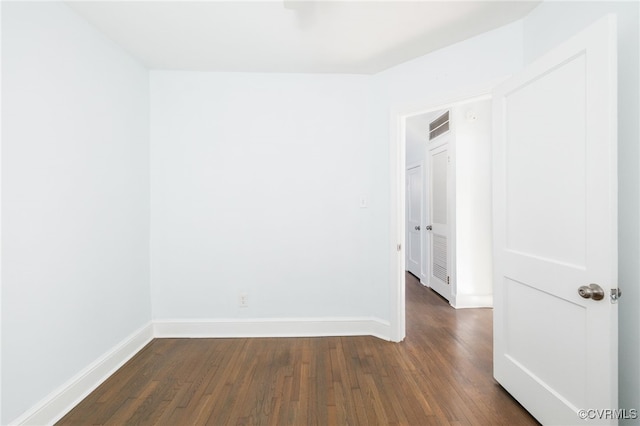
column 460, row 186
column 428, row 197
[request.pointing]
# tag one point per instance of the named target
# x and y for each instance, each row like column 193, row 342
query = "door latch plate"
column 615, row 295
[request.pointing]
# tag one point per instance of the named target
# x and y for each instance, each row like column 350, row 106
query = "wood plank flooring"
column 440, row 375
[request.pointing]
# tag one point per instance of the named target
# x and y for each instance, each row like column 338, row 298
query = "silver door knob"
column 591, row 291
column 417, row 228
column 429, row 228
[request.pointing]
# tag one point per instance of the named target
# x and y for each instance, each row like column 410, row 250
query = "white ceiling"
column 292, row 36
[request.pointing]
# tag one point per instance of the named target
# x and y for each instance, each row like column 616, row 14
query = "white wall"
column 456, row 72
column 75, row 199
column 473, row 201
column 548, row 25
column 417, row 135
column 1, row 133
column 256, row 181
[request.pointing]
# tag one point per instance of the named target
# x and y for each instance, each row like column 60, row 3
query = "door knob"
column 591, row 291
column 417, row 228
column 429, row 228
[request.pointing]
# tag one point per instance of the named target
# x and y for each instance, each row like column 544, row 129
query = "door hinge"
column 615, row 295
column 399, row 247
column 448, row 279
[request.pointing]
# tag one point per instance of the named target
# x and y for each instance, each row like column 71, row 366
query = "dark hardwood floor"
column 440, row 375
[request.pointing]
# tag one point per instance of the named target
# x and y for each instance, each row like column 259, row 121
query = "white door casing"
column 438, row 238
column 414, row 220
column 555, row 229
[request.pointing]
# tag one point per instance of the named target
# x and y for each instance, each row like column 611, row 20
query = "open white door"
column 414, row 220
column 555, row 230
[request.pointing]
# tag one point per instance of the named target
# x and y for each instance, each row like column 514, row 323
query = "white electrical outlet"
column 243, row 300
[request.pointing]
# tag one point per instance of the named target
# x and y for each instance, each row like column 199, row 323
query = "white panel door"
column 555, row 230
column 414, row 225
column 437, row 215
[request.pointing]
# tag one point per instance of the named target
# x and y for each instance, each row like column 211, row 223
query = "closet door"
column 438, row 228
column 414, row 220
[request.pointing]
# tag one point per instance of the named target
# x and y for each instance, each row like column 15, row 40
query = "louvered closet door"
column 438, row 212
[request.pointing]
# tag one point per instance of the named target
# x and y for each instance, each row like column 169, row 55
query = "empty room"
column 231, row 212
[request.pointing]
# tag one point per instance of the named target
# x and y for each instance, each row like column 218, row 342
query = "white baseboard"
column 474, row 301
column 62, row 400
column 58, row 403
column 463, row 301
column 267, row 327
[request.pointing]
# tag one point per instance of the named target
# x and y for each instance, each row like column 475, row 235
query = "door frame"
column 397, row 185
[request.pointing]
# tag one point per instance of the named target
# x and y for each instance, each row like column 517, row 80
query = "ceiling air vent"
column 439, row 126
